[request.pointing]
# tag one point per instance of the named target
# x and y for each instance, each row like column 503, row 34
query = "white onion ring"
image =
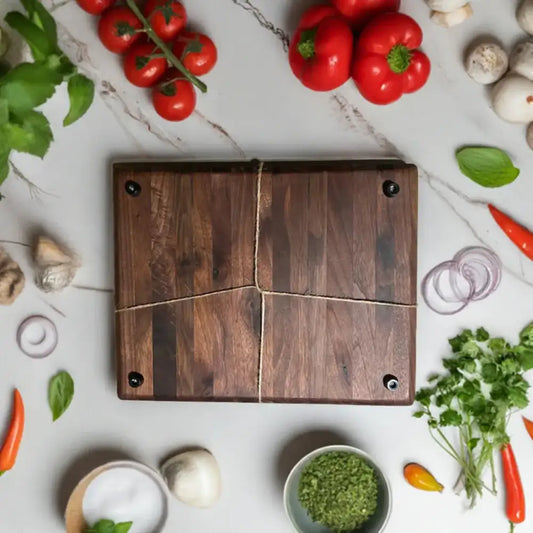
column 42, row 347
column 473, row 274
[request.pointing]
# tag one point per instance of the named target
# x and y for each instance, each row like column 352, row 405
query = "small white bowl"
column 298, row 516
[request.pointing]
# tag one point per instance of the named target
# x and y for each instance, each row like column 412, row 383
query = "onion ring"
column 472, row 275
column 45, row 344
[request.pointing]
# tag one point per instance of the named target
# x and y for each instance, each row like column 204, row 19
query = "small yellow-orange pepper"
column 420, row 478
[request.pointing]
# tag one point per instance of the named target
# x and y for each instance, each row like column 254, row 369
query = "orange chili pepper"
column 420, row 478
column 9, row 451
column 519, row 235
column 529, row 426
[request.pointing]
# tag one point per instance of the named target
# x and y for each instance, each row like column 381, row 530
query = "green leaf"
column 472, row 443
column 510, row 365
column 450, row 418
column 433, row 377
column 60, row 393
column 423, row 396
column 419, row 414
column 30, row 134
column 482, row 335
column 4, row 111
column 498, row 345
column 526, row 336
column 526, row 358
column 35, row 36
column 467, row 364
column 488, row 167
column 489, row 372
column 40, row 16
column 123, row 527
column 81, row 95
column 499, row 392
column 28, row 85
column 457, row 342
column 5, row 150
column 518, row 397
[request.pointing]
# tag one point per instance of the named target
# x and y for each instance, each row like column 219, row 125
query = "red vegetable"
column 516, row 503
column 519, row 235
column 118, row 29
column 10, row 448
column 95, row 7
column 174, row 100
column 529, row 426
column 359, row 12
column 167, row 17
column 141, row 68
column 196, row 51
column 320, row 52
column 387, row 63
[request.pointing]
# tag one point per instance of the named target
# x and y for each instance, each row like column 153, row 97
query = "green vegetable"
column 60, row 393
column 339, row 490
column 28, row 85
column 467, row 407
column 489, row 167
column 108, row 526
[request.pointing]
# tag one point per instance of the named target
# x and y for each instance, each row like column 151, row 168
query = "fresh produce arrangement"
column 26, row 86
column 159, row 54
column 339, row 490
column 385, row 62
column 467, row 408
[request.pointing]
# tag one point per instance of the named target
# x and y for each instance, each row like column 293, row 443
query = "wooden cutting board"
column 276, row 281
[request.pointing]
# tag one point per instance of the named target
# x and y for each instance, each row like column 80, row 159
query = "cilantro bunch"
column 26, row 86
column 468, row 406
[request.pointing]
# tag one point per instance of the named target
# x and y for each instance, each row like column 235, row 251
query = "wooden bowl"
column 74, row 521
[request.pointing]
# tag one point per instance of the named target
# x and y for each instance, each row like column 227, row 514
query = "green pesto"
column 339, row 490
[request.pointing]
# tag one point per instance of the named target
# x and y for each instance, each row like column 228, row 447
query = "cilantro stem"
column 171, row 58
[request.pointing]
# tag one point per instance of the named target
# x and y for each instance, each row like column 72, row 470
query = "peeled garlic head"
column 11, row 279
column 56, row 266
column 193, row 478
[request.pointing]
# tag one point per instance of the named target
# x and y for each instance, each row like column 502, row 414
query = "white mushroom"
column 529, row 135
column 512, row 99
column 445, row 6
column 521, row 60
column 524, row 16
column 486, row 63
column 453, row 18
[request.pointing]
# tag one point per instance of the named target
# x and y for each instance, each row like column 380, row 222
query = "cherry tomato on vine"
column 167, row 17
column 95, row 7
column 174, row 100
column 118, row 29
column 196, row 51
column 141, row 68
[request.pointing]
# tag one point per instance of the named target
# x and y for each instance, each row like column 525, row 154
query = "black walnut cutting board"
column 282, row 281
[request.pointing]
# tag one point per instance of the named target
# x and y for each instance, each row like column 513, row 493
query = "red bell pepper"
column 320, row 52
column 386, row 63
column 359, row 12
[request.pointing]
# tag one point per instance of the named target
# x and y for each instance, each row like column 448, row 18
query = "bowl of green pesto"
column 337, row 489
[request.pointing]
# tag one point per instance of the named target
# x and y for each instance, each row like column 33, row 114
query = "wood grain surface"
column 326, row 229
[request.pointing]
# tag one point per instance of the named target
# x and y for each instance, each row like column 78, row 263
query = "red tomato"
column 174, row 100
column 196, row 51
column 167, row 17
column 140, row 68
column 117, row 29
column 95, row 7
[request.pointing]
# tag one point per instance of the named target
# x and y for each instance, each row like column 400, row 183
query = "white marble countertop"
column 254, row 108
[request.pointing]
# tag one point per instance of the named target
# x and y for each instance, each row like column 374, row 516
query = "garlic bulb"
column 193, row 478
column 11, row 279
column 56, row 266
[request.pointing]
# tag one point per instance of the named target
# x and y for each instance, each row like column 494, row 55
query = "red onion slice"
column 37, row 336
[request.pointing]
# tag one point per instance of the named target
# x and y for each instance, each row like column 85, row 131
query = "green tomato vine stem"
column 171, row 58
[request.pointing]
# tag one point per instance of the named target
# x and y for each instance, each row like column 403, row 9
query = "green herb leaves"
column 108, row 526
column 488, row 167
column 60, row 393
column 81, row 94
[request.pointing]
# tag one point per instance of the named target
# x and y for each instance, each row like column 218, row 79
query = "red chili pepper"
column 386, row 63
column 529, row 426
column 359, row 12
column 516, row 503
column 320, row 52
column 9, row 451
column 519, row 235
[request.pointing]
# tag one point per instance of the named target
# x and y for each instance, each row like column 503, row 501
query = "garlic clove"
column 453, row 18
column 11, row 279
column 486, row 63
column 445, row 6
column 193, row 478
column 521, row 60
column 524, row 16
column 512, row 99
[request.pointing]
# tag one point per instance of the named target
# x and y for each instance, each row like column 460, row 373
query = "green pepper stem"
column 306, row 45
column 399, row 58
column 172, row 59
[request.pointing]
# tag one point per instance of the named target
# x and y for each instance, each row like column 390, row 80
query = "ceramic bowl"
column 74, row 520
column 298, row 515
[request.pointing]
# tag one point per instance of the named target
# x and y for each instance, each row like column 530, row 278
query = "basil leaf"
column 488, row 167
column 81, row 94
column 60, row 394
column 123, row 527
column 28, row 85
column 30, row 134
column 40, row 16
column 4, row 111
column 35, row 36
